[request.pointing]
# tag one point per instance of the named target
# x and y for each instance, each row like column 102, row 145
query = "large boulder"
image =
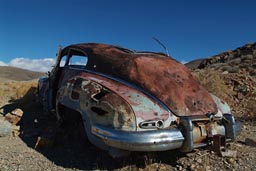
column 5, row 128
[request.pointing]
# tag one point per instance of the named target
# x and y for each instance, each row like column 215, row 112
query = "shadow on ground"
column 70, row 149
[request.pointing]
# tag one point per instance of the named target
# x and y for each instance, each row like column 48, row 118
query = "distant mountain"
column 242, row 59
column 194, row 64
column 18, row 74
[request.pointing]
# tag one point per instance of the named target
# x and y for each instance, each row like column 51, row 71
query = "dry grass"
column 215, row 83
column 251, row 106
column 21, row 92
column 223, row 86
column 23, row 88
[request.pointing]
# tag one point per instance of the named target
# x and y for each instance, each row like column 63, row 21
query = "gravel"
column 69, row 153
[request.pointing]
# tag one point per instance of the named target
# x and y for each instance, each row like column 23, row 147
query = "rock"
column 192, row 166
column 14, row 116
column 208, row 168
column 179, row 167
column 225, row 72
column 199, row 160
column 231, row 160
column 229, row 153
column 17, row 112
column 15, row 130
column 5, row 128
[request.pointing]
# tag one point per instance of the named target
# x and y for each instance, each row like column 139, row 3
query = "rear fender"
column 222, row 106
column 112, row 103
column 146, row 108
column 97, row 103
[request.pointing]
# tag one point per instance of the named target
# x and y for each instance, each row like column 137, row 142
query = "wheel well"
column 68, row 114
column 72, row 122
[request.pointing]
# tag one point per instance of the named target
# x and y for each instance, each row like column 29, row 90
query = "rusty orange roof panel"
column 163, row 77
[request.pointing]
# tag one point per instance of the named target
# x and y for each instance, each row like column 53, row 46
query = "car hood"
column 163, row 77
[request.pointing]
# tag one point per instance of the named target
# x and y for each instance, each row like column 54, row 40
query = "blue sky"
column 31, row 30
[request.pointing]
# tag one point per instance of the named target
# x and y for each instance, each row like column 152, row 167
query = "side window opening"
column 63, row 61
column 77, row 59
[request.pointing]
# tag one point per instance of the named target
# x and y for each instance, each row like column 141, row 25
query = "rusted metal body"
column 158, row 74
column 135, row 101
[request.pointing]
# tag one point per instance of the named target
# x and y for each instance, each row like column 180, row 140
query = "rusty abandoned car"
column 134, row 101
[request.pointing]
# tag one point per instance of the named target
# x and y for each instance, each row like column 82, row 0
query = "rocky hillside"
column 231, row 75
column 194, row 64
column 18, row 74
column 234, row 61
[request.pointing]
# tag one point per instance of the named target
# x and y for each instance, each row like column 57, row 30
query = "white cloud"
column 41, row 65
column 183, row 62
column 3, row 63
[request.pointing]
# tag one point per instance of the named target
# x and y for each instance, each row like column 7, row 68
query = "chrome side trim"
column 157, row 140
column 158, row 124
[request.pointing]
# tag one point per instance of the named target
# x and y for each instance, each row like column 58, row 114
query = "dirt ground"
column 70, row 152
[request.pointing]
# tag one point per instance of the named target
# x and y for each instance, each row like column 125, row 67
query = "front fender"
column 44, row 93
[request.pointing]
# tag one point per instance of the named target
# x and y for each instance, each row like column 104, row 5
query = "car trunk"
column 173, row 84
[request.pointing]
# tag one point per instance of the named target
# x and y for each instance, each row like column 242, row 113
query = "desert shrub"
column 235, row 69
column 247, row 57
column 217, row 65
column 244, row 66
column 235, row 61
column 226, row 68
column 214, row 82
column 247, row 61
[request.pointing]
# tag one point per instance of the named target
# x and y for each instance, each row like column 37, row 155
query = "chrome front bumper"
column 157, row 140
